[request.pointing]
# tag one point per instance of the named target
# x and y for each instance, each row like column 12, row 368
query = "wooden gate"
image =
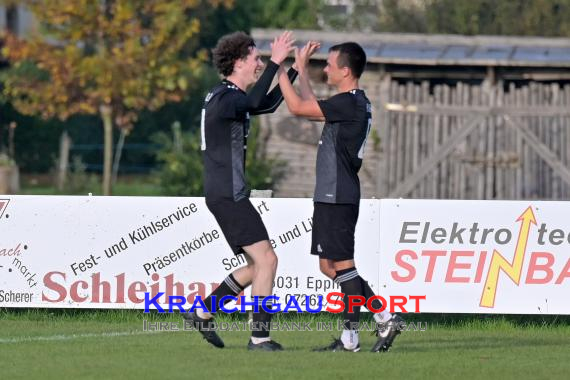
column 475, row 141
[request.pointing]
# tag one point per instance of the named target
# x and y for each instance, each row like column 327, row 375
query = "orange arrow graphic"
column 498, row 262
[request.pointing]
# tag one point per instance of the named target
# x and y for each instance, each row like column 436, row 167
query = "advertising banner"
column 478, row 256
column 107, row 252
column 423, row 255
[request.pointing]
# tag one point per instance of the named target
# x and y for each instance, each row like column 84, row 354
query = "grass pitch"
column 55, row 344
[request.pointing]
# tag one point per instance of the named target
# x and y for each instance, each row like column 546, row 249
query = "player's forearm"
column 291, row 97
column 272, row 100
column 259, row 90
column 305, row 86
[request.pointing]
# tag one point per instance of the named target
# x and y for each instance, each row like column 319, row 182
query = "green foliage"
column 262, row 172
column 497, row 17
column 181, row 159
column 397, row 16
column 182, row 169
column 5, row 160
column 78, row 180
column 289, row 14
column 549, row 18
column 363, row 16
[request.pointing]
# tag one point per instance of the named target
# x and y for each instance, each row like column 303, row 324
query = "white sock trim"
column 350, row 339
column 255, row 340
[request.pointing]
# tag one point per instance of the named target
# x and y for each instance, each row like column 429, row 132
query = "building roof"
column 424, row 49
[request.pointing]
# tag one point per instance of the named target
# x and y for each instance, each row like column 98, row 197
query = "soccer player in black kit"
column 348, row 118
column 224, row 129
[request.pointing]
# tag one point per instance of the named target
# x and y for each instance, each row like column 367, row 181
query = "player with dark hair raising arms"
column 225, row 125
column 347, row 116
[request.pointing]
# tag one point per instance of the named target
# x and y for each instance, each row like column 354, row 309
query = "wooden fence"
column 461, row 141
column 475, row 141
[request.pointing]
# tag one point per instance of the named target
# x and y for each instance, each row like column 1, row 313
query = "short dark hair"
column 229, row 49
column 351, row 55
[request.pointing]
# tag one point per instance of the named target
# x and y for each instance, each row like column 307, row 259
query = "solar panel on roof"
column 492, row 52
column 530, row 54
column 371, row 50
column 558, row 54
column 462, row 54
column 456, row 52
column 411, row 51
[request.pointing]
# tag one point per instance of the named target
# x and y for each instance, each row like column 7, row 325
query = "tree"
column 539, row 17
column 182, row 168
column 475, row 17
column 111, row 58
column 289, row 14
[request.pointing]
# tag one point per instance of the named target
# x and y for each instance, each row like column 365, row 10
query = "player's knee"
column 272, row 260
column 269, row 260
column 327, row 270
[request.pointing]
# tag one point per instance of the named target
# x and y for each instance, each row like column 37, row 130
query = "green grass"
column 455, row 347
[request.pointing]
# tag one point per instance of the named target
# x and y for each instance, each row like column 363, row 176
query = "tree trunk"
column 118, row 152
column 63, row 162
column 106, row 115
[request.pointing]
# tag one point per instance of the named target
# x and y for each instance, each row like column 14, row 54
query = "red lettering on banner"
column 564, row 274
column 480, row 266
column 540, row 271
column 134, row 288
column 54, row 286
column 534, row 267
column 409, row 267
column 170, row 285
column 117, row 291
column 73, row 291
column 120, row 288
column 11, row 251
column 433, row 255
column 103, row 286
column 196, row 289
column 453, row 265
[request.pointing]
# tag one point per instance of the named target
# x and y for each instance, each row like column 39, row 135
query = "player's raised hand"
column 302, row 55
column 281, row 47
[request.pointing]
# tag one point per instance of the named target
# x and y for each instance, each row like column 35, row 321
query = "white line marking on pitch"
column 50, row 338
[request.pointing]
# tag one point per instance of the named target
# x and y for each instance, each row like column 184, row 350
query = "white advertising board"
column 478, row 256
column 106, row 252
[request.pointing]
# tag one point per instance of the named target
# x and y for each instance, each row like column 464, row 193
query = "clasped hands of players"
column 283, row 45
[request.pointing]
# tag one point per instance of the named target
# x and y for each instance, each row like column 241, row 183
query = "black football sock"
column 229, row 287
column 261, row 320
column 350, row 285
